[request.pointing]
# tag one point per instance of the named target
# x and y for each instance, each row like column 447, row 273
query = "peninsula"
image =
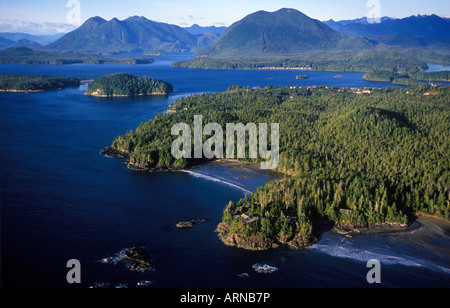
column 354, row 161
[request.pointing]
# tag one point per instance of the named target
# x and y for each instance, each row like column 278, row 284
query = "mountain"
column 424, row 32
column 336, row 25
column 39, row 39
column 406, row 40
column 198, row 30
column 7, row 43
column 417, row 26
column 283, row 32
column 97, row 35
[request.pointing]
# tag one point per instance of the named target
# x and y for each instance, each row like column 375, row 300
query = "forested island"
column 23, row 55
column 121, row 84
column 391, row 75
column 351, row 160
column 332, row 61
column 35, row 83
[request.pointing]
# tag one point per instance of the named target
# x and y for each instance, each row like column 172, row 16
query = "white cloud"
column 35, row 28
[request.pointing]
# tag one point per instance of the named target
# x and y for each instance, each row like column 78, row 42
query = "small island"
column 300, row 77
column 125, row 85
column 35, row 83
column 189, row 223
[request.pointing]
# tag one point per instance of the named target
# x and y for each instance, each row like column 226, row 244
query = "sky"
column 205, row 12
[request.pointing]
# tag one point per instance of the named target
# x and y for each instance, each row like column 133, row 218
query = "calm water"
column 437, row 68
column 61, row 200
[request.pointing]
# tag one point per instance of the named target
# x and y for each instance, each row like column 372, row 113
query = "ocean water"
column 62, row 200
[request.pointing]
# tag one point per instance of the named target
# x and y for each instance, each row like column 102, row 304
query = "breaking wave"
column 212, row 179
column 385, row 257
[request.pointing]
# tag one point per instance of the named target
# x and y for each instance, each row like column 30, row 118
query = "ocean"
column 62, row 200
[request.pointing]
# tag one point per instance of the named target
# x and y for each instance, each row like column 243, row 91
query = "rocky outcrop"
column 190, row 223
column 241, row 241
column 301, row 241
column 111, row 152
column 135, row 259
column 260, row 243
column 114, row 152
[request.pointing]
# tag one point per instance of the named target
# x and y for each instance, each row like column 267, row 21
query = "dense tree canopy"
column 25, row 55
column 127, row 85
column 35, row 82
column 392, row 75
column 353, row 158
column 334, row 61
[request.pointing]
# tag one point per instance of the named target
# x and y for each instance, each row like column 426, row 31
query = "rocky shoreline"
column 189, row 223
column 259, row 243
column 135, row 259
column 113, row 152
column 353, row 230
column 21, row 91
column 95, row 94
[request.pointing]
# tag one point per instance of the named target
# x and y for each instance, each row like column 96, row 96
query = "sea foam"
column 384, row 256
column 217, row 180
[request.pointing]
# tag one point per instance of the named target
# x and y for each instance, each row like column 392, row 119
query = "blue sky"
column 204, row 12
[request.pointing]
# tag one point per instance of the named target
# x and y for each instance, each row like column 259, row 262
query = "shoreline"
column 134, row 95
column 417, row 221
column 252, row 166
column 423, row 229
column 420, row 223
column 373, row 228
column 25, row 91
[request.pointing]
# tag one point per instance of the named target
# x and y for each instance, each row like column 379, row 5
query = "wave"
column 212, row 179
column 385, row 257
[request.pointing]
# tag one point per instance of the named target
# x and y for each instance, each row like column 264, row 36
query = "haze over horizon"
column 47, row 16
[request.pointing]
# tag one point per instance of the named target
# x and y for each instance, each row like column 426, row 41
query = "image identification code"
column 228, row 298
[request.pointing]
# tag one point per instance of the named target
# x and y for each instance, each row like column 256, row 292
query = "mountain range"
column 417, row 26
column 196, row 29
column 18, row 39
column 99, row 36
column 281, row 33
column 289, row 32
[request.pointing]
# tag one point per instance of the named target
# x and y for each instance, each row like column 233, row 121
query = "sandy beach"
column 246, row 169
column 430, row 232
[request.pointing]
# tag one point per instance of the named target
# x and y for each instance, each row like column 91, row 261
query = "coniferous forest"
column 121, row 84
column 25, row 83
column 351, row 159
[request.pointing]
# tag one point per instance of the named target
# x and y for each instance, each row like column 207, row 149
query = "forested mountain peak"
column 97, row 35
column 286, row 31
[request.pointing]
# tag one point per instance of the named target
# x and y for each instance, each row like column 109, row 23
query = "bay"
column 62, row 200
